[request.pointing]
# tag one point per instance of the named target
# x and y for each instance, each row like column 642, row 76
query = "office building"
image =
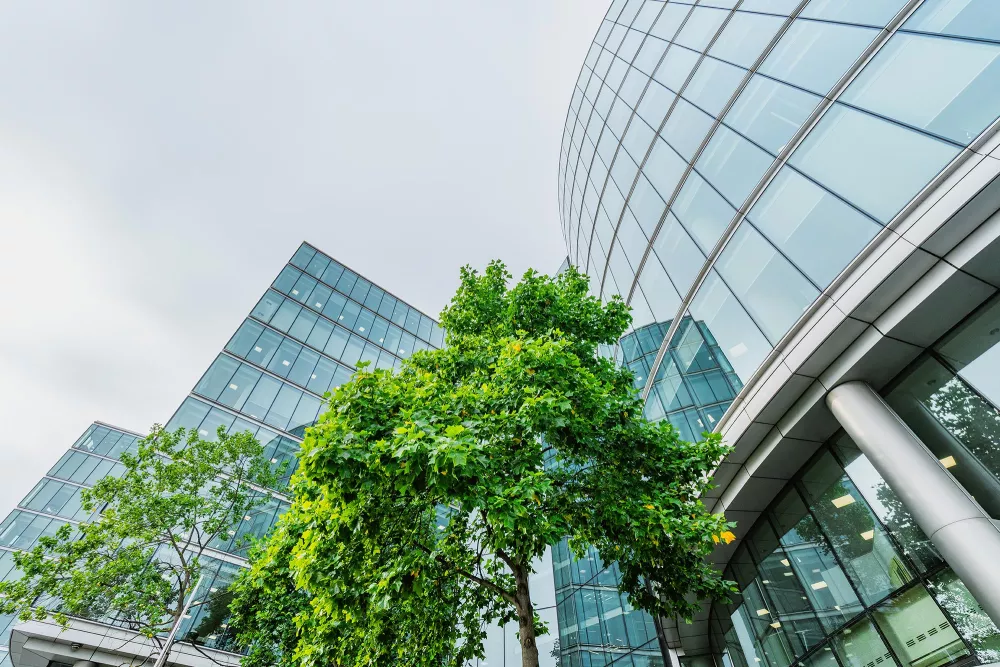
column 303, row 338
column 805, row 193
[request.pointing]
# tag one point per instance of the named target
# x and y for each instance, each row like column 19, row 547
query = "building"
column 805, row 193
column 304, row 337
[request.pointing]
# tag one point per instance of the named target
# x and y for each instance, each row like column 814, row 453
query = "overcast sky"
column 161, row 162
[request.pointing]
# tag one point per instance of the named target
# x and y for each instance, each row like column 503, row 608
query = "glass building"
column 304, row 337
column 799, row 198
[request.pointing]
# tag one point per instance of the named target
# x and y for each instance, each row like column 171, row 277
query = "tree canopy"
column 425, row 497
column 140, row 558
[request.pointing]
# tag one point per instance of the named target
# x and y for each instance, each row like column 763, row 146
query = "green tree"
column 141, row 557
column 424, row 497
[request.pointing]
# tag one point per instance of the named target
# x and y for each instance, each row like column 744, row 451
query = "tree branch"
column 485, row 583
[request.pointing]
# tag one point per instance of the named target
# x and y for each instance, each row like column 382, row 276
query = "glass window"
column 681, row 259
column 360, row 290
column 338, row 340
column 346, row 282
column 875, row 13
column 282, row 407
column 261, row 397
column 877, row 165
column 815, row 55
column 363, row 325
column 861, row 646
column 303, row 324
column 302, row 368
column 702, row 211
column 701, row 27
column 968, row 616
column 745, row 37
column 713, row 85
column 321, row 376
column 303, row 256
column 352, row 353
column 282, row 362
column 244, row 338
column 649, row 55
column 286, row 314
column 188, row 416
column 647, row 207
column 741, row 343
column 773, row 291
column 816, row 230
column 335, row 305
column 962, row 18
column 317, row 265
column 305, row 414
column 349, row 316
column 332, row 273
column 675, row 67
column 860, row 542
column 781, row 7
column 733, row 165
column 264, row 348
column 412, row 320
column 770, row 112
column 286, row 279
column 319, row 296
column 392, row 338
column 686, row 128
column 664, row 169
column 655, row 103
column 217, row 377
column 917, row 631
column 240, row 385
column 267, row 306
column 303, row 288
column 950, row 87
column 670, row 20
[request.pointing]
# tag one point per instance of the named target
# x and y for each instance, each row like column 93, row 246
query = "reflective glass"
column 875, row 13
column 769, row 112
column 679, row 255
column 964, row 18
column 649, row 55
column 861, row 646
column 713, row 85
column 670, row 20
column 686, row 128
column 877, row 165
column 950, row 87
column 701, row 27
column 745, row 37
column 860, row 542
column 261, row 397
column 773, row 291
column 782, row 7
column 217, row 377
column 655, row 103
column 240, row 385
column 702, row 211
column 817, row 231
column 675, row 67
column 741, row 342
column 814, row 55
column 967, row 615
column 917, row 631
column 664, row 168
column 660, row 293
column 733, row 165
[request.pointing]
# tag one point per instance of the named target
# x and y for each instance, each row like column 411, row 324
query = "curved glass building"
column 798, row 198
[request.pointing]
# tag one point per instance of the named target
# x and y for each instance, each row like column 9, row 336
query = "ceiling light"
column 246, row 518
column 949, row 462
column 868, row 534
column 402, row 351
column 763, row 612
column 784, row 561
column 319, row 305
column 843, row 501
column 214, row 590
column 257, row 349
column 232, row 532
column 837, row 607
column 295, row 291
column 766, row 581
column 361, row 328
column 819, row 585
column 285, row 362
column 233, row 387
column 202, row 432
column 313, row 376
column 776, row 625
column 187, row 615
column 274, row 460
column 341, row 317
column 789, row 574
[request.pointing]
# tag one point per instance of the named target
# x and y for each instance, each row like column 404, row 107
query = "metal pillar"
column 958, row 527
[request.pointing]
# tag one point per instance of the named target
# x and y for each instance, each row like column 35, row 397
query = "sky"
column 162, row 161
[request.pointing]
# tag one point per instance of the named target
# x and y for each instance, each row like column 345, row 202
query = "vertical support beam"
column 955, row 523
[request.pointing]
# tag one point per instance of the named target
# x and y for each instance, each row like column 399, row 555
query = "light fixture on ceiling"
column 949, row 462
column 843, row 501
column 819, row 585
column 868, row 534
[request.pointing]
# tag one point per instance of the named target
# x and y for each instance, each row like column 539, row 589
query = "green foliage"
column 423, row 498
column 139, row 559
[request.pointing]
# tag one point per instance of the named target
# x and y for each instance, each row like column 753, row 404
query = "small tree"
column 425, row 497
column 139, row 560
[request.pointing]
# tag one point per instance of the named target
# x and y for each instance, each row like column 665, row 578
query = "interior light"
column 257, row 349
column 402, row 351
column 763, row 612
column 295, row 291
column 784, row 561
column 285, row 362
column 341, row 317
column 274, row 460
column 202, row 432
column 361, row 328
column 246, row 518
column 233, row 387
column 789, row 574
column 187, row 615
column 776, row 625
column 232, row 532
column 319, row 305
column 313, row 376
column 381, row 340
column 766, row 581
column 949, row 462
column 214, row 590
column 868, row 534
column 819, row 585
column 843, row 501
column 837, row 607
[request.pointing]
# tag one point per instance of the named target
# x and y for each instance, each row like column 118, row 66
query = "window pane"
column 770, row 112
column 963, row 18
column 320, row 334
column 303, row 255
column 733, row 165
column 261, row 398
column 303, row 325
column 877, row 165
column 664, row 169
column 968, row 616
column 286, row 314
column 266, row 307
column 745, row 37
column 702, row 211
column 741, row 343
column 875, row 13
column 713, row 85
column 701, row 27
column 917, row 630
column 782, row 7
column 686, row 128
column 679, row 256
column 244, row 338
column 303, row 367
column 675, row 67
column 286, row 279
column 774, row 292
column 669, row 21
column 861, row 646
column 281, row 363
column 282, row 407
column 217, row 377
column 264, row 349
column 304, row 415
column 303, row 288
column 817, row 231
column 317, row 300
column 815, row 55
column 950, row 87
column 321, row 376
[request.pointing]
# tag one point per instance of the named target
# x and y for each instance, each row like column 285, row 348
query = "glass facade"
column 722, row 162
column 305, row 337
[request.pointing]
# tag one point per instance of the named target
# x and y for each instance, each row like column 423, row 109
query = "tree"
column 424, row 497
column 141, row 558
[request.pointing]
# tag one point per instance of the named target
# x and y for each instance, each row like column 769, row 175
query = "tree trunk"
column 525, row 618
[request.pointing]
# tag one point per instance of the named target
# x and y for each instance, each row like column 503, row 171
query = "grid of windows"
column 305, row 337
column 684, row 111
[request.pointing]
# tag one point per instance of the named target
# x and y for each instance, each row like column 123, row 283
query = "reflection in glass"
column 860, row 646
column 814, row 55
column 917, row 631
column 744, row 38
column 769, row 112
column 963, row 18
column 968, row 615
